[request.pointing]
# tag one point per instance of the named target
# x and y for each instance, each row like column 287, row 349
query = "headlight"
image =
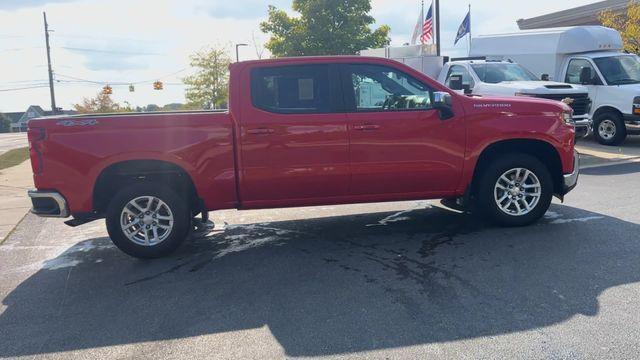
column 567, row 117
column 636, row 106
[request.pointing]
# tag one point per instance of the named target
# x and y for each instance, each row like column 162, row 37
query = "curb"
column 2, row 241
column 632, row 160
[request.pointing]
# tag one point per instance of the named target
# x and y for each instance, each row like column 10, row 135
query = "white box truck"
column 584, row 55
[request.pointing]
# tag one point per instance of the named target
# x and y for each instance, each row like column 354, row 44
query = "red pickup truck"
column 303, row 132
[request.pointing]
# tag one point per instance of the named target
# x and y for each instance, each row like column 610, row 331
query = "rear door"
column 293, row 136
column 399, row 144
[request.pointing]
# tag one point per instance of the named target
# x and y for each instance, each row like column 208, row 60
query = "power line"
column 117, row 83
column 116, row 52
column 25, row 88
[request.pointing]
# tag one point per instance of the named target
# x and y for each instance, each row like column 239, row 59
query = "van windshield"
column 620, row 70
column 494, row 73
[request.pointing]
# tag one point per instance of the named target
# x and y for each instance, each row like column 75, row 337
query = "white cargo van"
column 505, row 78
column 585, row 55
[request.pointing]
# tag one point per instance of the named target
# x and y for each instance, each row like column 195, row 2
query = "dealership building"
column 582, row 15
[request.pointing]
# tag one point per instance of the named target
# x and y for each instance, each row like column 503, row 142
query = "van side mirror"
column 544, row 77
column 455, row 82
column 586, row 77
column 442, row 101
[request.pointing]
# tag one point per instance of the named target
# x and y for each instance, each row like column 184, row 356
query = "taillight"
column 35, row 137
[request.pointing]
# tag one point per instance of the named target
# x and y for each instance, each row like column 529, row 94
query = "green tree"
column 324, row 27
column 208, row 87
column 152, row 108
column 5, row 123
column 101, row 103
column 628, row 24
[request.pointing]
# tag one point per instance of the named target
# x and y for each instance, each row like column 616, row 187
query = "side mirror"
column 455, row 82
column 544, row 77
column 585, row 76
column 467, row 89
column 442, row 101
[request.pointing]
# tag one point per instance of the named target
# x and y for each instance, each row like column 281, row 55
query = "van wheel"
column 515, row 190
column 147, row 220
column 609, row 129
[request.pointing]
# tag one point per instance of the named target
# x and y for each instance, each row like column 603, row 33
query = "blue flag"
column 465, row 27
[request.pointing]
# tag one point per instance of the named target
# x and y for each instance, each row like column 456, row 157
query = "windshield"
column 499, row 72
column 620, row 70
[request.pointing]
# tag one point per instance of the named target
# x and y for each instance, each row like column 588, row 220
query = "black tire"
column 178, row 233
column 487, row 204
column 610, row 119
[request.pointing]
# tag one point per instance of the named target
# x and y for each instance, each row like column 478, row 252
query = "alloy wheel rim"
column 607, row 129
column 146, row 221
column 517, row 192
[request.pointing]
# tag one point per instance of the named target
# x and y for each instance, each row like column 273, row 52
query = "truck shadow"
column 329, row 285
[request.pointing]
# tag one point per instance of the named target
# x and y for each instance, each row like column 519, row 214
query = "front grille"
column 581, row 102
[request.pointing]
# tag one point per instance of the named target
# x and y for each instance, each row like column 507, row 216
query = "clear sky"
column 130, row 41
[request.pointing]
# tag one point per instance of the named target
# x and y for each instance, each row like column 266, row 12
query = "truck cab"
column 591, row 56
column 506, row 78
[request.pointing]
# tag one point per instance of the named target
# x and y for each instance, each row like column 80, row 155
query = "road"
column 12, row 141
column 399, row 280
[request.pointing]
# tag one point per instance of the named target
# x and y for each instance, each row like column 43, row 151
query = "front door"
column 398, row 143
column 293, row 137
column 593, row 84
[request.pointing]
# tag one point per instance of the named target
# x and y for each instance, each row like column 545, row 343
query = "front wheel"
column 515, row 190
column 147, row 220
column 609, row 129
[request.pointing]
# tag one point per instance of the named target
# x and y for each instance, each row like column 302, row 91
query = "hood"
column 524, row 105
column 544, row 87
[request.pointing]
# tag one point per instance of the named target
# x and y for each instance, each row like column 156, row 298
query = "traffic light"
column 132, row 88
column 107, row 90
column 158, row 85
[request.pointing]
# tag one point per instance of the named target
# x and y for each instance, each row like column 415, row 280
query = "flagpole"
column 437, row 20
column 469, row 43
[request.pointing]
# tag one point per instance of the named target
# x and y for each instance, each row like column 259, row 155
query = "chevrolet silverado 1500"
column 303, row 132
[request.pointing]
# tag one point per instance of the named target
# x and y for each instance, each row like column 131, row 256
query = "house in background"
column 582, row 15
column 20, row 120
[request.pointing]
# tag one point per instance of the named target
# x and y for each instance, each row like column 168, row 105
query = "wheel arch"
column 123, row 173
column 605, row 109
column 540, row 149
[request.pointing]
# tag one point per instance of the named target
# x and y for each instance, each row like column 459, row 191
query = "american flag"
column 427, row 27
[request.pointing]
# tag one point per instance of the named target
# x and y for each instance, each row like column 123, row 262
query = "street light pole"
column 54, row 109
column 237, row 52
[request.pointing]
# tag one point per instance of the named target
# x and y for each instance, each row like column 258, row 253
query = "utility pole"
column 438, row 27
column 54, row 109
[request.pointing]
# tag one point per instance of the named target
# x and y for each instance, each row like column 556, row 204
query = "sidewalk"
column 14, row 202
column 594, row 154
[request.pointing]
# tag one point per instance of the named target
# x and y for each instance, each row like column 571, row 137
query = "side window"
column 460, row 70
column 291, row 89
column 380, row 88
column 575, row 69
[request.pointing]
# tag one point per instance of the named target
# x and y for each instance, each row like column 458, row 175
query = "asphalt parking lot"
column 398, row 280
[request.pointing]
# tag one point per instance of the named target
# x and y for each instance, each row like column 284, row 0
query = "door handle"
column 260, row 131
column 367, row 127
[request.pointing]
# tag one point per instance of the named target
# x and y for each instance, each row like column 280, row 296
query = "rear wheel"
column 515, row 190
column 609, row 129
column 147, row 220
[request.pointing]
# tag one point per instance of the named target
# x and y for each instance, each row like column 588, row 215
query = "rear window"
column 291, row 89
